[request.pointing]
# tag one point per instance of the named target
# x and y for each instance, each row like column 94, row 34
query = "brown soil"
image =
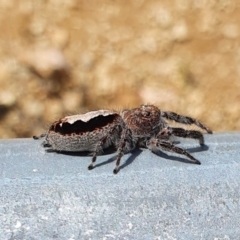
column 64, row 57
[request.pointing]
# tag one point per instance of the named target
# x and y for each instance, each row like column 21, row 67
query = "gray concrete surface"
column 46, row 195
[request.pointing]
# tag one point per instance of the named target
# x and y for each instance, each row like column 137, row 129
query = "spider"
column 145, row 126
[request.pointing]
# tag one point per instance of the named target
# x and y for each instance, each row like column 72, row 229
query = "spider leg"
column 45, row 142
column 184, row 119
column 96, row 152
column 100, row 144
column 155, row 143
column 180, row 132
column 40, row 136
column 125, row 137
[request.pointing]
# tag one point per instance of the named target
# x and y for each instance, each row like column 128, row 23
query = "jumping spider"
column 145, row 126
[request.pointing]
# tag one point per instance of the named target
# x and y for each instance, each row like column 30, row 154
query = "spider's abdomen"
column 82, row 132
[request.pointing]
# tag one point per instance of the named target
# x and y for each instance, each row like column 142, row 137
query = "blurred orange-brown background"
column 61, row 57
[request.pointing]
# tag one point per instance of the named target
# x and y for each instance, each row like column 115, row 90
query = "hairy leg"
column 40, row 136
column 45, row 142
column 155, row 143
column 125, row 137
column 184, row 119
column 98, row 149
column 180, row 132
column 100, row 144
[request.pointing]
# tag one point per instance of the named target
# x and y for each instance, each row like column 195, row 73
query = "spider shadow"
column 178, row 158
column 129, row 160
column 202, row 148
column 107, row 151
column 134, row 154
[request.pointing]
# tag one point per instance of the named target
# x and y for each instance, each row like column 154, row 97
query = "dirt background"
column 60, row 57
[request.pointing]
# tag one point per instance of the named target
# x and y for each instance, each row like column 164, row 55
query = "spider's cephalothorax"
column 145, row 126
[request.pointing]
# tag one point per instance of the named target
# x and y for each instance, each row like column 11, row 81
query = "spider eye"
column 146, row 114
